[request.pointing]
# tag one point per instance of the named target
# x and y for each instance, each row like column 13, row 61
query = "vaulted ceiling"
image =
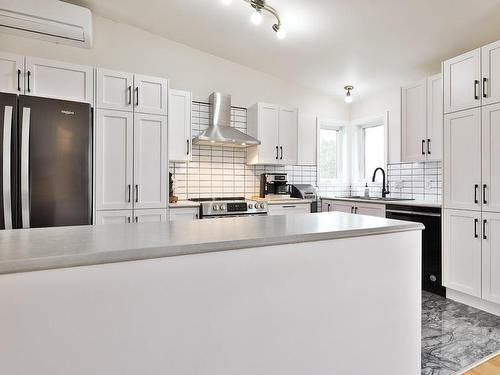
column 370, row 44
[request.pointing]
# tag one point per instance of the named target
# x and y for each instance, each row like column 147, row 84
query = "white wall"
column 123, row 47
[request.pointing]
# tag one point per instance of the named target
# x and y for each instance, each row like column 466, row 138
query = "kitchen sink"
column 381, row 199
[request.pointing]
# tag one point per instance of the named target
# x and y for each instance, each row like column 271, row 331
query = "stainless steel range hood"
column 219, row 131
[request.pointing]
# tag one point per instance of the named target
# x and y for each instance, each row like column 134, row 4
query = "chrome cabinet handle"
column 25, row 167
column 476, row 86
column 288, row 206
column 485, row 93
column 277, row 150
column 484, row 194
column 476, row 221
column 423, row 144
column 18, row 79
column 7, row 140
column 128, row 193
column 136, row 193
column 29, row 74
column 136, row 219
column 355, row 210
column 128, row 219
column 187, row 147
column 281, row 149
column 429, row 146
column 485, row 237
column 129, row 95
column 476, row 187
column 137, row 96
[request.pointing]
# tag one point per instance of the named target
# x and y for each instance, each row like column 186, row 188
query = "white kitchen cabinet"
column 150, row 216
column 114, row 90
column 491, row 257
column 343, row 206
column 491, row 158
column 59, row 80
column 150, row 95
column 287, row 133
column 462, row 160
column 462, row 82
column 114, row 159
column 490, row 63
column 422, row 120
column 184, row 213
column 307, row 134
column 150, row 161
column 326, row 205
column 434, row 127
column 414, row 121
column 462, row 251
column 370, row 209
column 289, row 209
column 11, row 73
column 179, row 126
column 276, row 127
column 113, row 217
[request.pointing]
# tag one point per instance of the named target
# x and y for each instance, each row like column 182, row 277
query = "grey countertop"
column 181, row 204
column 416, row 203
column 24, row 250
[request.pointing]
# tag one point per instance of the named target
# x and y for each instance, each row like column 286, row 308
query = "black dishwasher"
column 431, row 241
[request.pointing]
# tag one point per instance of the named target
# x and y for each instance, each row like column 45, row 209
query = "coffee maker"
column 274, row 184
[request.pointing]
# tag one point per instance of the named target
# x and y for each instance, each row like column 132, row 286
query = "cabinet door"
column 179, row 125
column 370, row 209
column 59, row 80
column 184, row 213
column 150, row 161
column 113, row 217
column 114, row 159
column 347, row 207
column 326, row 205
column 462, row 160
column 114, row 90
column 268, row 120
column 150, row 95
column 414, row 121
column 491, row 157
column 490, row 62
column 462, row 81
column 462, row 251
column 287, row 135
column 435, row 117
column 11, row 73
column 491, row 257
column 150, row 216
column 289, row 209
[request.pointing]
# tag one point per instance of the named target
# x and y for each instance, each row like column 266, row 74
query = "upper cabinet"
column 123, row 91
column 46, row 78
column 421, row 120
column 472, row 79
column 11, row 73
column 277, row 128
column 179, row 125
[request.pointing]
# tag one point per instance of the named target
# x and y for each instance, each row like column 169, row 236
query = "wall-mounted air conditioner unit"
column 50, row 20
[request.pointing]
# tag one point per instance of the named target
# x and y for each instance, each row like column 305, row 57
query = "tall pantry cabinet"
column 471, row 180
column 131, row 148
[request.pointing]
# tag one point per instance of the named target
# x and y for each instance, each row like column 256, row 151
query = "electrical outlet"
column 429, row 184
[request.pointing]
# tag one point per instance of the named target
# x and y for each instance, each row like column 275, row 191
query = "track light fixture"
column 256, row 17
column 348, row 96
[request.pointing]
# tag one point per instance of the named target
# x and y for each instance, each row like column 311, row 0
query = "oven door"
column 231, row 216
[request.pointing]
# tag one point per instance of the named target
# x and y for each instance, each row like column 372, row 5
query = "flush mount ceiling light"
column 348, row 96
column 256, row 17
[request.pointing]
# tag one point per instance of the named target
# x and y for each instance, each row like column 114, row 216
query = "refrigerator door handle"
column 25, row 164
column 7, row 139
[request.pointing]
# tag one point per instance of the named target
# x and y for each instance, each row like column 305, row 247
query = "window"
column 373, row 149
column 330, row 153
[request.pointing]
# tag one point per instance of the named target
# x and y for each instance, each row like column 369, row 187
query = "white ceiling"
column 372, row 44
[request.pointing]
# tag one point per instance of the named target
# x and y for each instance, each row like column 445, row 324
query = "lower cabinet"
column 184, row 213
column 288, row 209
column 491, row 257
column 352, row 207
column 131, row 216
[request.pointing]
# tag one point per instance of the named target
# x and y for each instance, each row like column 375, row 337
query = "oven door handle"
column 413, row 213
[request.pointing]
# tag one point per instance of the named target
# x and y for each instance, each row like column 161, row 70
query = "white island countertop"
column 24, row 250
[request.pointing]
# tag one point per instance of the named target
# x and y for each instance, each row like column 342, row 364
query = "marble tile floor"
column 455, row 335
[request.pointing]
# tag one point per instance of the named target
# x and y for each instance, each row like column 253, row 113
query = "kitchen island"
column 327, row 293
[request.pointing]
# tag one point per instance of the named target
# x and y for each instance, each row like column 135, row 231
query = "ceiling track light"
column 256, row 18
column 348, row 95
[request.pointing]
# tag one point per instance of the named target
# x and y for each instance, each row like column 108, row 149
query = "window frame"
column 339, row 127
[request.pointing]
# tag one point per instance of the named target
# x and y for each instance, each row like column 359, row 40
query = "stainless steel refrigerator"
column 46, row 162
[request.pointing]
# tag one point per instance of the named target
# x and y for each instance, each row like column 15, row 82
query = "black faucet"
column 385, row 190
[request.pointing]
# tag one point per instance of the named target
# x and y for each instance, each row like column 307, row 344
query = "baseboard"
column 476, row 302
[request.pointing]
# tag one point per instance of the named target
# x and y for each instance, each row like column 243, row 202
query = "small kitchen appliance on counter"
column 230, row 207
column 306, row 191
column 274, row 185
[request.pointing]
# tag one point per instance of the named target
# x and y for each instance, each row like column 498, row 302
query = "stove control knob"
column 215, row 207
column 250, row 206
column 222, row 207
column 262, row 205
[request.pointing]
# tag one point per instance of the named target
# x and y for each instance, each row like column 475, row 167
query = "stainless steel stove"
column 230, row 207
